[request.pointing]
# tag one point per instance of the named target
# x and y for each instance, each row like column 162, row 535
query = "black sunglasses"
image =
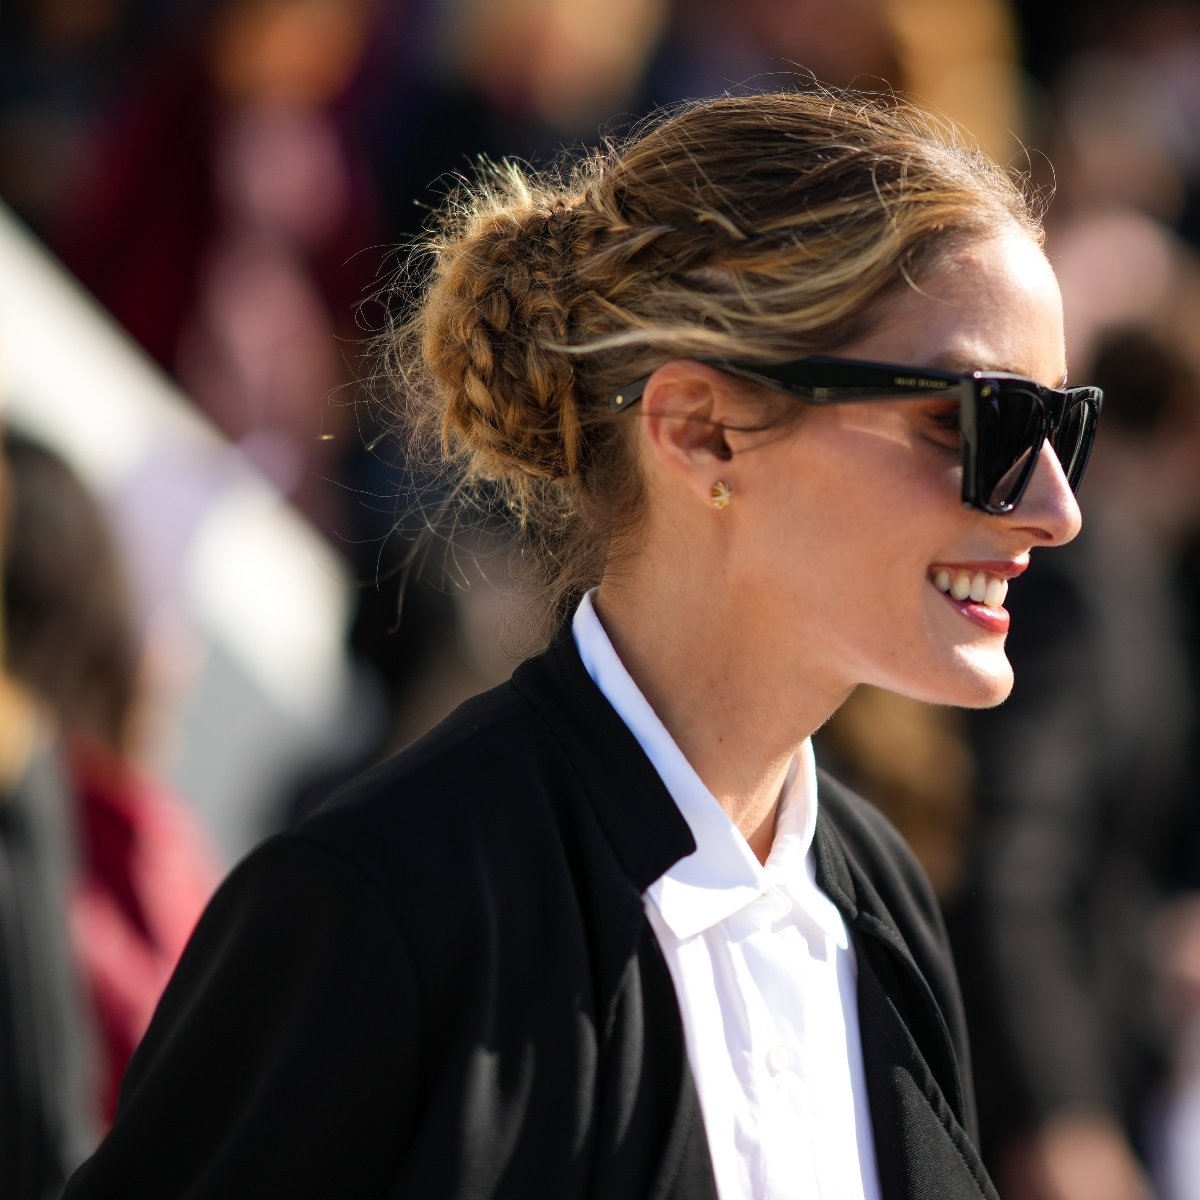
column 1004, row 419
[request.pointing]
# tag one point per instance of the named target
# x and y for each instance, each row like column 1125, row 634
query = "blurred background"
column 206, row 521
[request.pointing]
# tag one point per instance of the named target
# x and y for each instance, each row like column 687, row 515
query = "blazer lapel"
column 922, row 1150
column 919, row 1111
column 650, row 1141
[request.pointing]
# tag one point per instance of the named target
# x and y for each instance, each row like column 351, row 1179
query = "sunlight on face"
column 849, row 523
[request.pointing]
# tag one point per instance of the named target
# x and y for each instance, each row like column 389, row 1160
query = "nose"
column 1048, row 509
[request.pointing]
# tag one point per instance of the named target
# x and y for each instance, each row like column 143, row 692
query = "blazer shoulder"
column 479, row 773
column 538, row 771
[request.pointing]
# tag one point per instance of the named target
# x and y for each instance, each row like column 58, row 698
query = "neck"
column 737, row 711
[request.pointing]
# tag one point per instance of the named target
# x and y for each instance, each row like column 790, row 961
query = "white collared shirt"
column 765, row 976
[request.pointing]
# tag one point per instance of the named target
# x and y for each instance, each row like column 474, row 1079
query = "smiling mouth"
column 978, row 587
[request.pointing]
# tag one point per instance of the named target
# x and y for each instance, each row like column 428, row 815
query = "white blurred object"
column 1175, row 1138
column 216, row 554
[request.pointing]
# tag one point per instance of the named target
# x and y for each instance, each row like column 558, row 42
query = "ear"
column 685, row 408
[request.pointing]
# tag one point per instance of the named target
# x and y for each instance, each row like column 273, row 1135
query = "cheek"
column 867, row 502
column 873, row 459
column 833, row 551
column 852, row 510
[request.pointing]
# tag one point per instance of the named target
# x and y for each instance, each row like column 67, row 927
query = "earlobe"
column 685, row 407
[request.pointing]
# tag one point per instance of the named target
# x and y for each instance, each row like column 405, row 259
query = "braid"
column 497, row 319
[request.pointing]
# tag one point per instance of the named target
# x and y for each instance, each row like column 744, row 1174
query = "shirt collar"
column 723, row 875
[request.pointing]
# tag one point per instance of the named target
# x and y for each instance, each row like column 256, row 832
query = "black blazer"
column 444, row 985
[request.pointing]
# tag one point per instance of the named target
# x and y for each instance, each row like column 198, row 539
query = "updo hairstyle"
column 766, row 226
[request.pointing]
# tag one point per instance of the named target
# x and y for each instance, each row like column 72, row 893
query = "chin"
column 984, row 688
column 993, row 698
column 969, row 682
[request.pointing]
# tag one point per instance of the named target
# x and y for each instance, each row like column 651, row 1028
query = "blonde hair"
column 765, row 226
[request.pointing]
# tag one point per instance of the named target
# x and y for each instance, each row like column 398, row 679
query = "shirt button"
column 779, row 1058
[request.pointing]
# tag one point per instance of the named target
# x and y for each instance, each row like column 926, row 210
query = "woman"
column 606, row 932
column 139, row 869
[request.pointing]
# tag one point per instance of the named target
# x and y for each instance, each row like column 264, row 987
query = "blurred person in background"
column 956, row 57
column 1123, row 114
column 60, row 63
column 48, row 1072
column 139, row 868
column 220, row 218
column 227, row 217
column 1085, row 822
column 451, row 81
column 448, row 82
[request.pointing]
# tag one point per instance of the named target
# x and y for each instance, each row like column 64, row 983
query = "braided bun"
column 497, row 323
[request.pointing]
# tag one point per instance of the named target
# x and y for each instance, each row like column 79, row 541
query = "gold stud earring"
column 721, row 494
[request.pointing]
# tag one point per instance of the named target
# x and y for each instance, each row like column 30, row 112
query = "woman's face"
column 848, row 523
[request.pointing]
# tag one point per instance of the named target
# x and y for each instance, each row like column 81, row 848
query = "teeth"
column 978, row 586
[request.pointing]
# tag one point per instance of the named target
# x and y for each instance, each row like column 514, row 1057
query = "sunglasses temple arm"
column 627, row 396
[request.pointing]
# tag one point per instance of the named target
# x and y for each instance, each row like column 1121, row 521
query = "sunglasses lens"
column 1009, row 428
column 1072, row 440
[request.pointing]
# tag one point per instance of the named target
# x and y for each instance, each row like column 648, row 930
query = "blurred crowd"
column 235, row 181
